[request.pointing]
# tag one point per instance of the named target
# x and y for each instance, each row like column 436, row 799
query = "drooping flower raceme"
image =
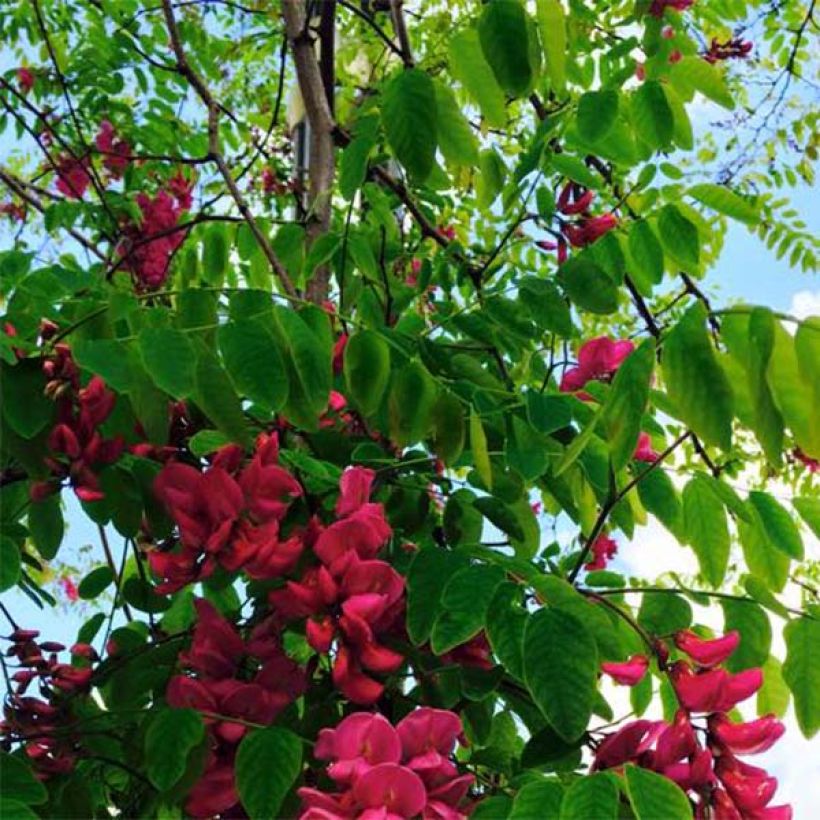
column 723, row 785
column 391, row 773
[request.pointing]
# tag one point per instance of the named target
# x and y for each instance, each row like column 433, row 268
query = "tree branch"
column 314, row 90
column 213, row 109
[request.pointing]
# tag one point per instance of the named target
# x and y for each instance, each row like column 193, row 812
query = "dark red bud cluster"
column 39, row 723
column 734, row 49
column 78, row 448
column 575, row 201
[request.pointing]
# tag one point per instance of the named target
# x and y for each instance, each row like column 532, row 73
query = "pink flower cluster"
column 602, row 551
column 229, row 678
column 149, row 247
column 77, row 445
column 228, row 515
column 575, row 201
column 725, row 787
column 25, row 79
column 349, row 597
column 35, row 721
column 598, row 360
column 115, row 150
column 387, row 773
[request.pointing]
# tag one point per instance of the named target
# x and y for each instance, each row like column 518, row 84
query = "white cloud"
column 805, row 303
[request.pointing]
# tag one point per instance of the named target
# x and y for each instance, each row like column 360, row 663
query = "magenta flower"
column 644, row 451
column 706, row 652
column 598, row 359
column 746, row 738
column 630, row 672
column 603, row 550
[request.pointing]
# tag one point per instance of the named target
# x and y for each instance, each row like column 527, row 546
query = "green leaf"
column 809, row 510
column 553, row 30
column 695, row 381
column 9, row 563
column 106, row 358
column 471, row 69
column 464, row 603
column 695, row 74
column 561, row 670
column 501, row 515
column 778, row 525
column 462, row 521
column 704, row 523
column 143, row 596
column 206, row 442
column 725, row 201
column 763, row 558
column 95, row 582
column 653, row 118
column 409, row 121
column 46, row 526
column 215, row 254
column 308, row 361
column 490, row 179
column 353, row 165
column 367, row 370
column 663, row 613
column 216, row 397
column 15, row 810
column 574, row 168
column 19, row 783
column 774, row 696
column 24, row 404
column 591, row 796
column 792, row 393
column 679, row 236
column 588, row 285
column 627, row 402
column 767, row 421
column 506, row 621
column 646, row 252
column 413, row 395
column 597, row 112
column 502, row 30
column 652, row 796
column 267, row 765
column 548, row 413
column 755, row 630
column 539, row 798
column 169, row 358
column 429, row 573
column 545, row 304
column 478, row 446
column 253, row 361
column 171, row 736
column 448, row 427
column 455, row 136
column 801, row 671
column 659, row 496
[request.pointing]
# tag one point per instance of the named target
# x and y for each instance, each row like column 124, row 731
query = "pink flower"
column 116, row 151
column 25, row 79
column 644, row 451
column 598, row 359
column 69, row 589
column 707, row 652
column 746, row 738
column 216, row 648
column 811, row 464
column 360, row 741
column 354, row 490
column 72, row 177
column 603, row 550
column 589, row 229
column 628, row 673
column 395, row 790
column 713, row 690
column 750, row 787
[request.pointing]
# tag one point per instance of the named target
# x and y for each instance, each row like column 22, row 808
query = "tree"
column 327, row 313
